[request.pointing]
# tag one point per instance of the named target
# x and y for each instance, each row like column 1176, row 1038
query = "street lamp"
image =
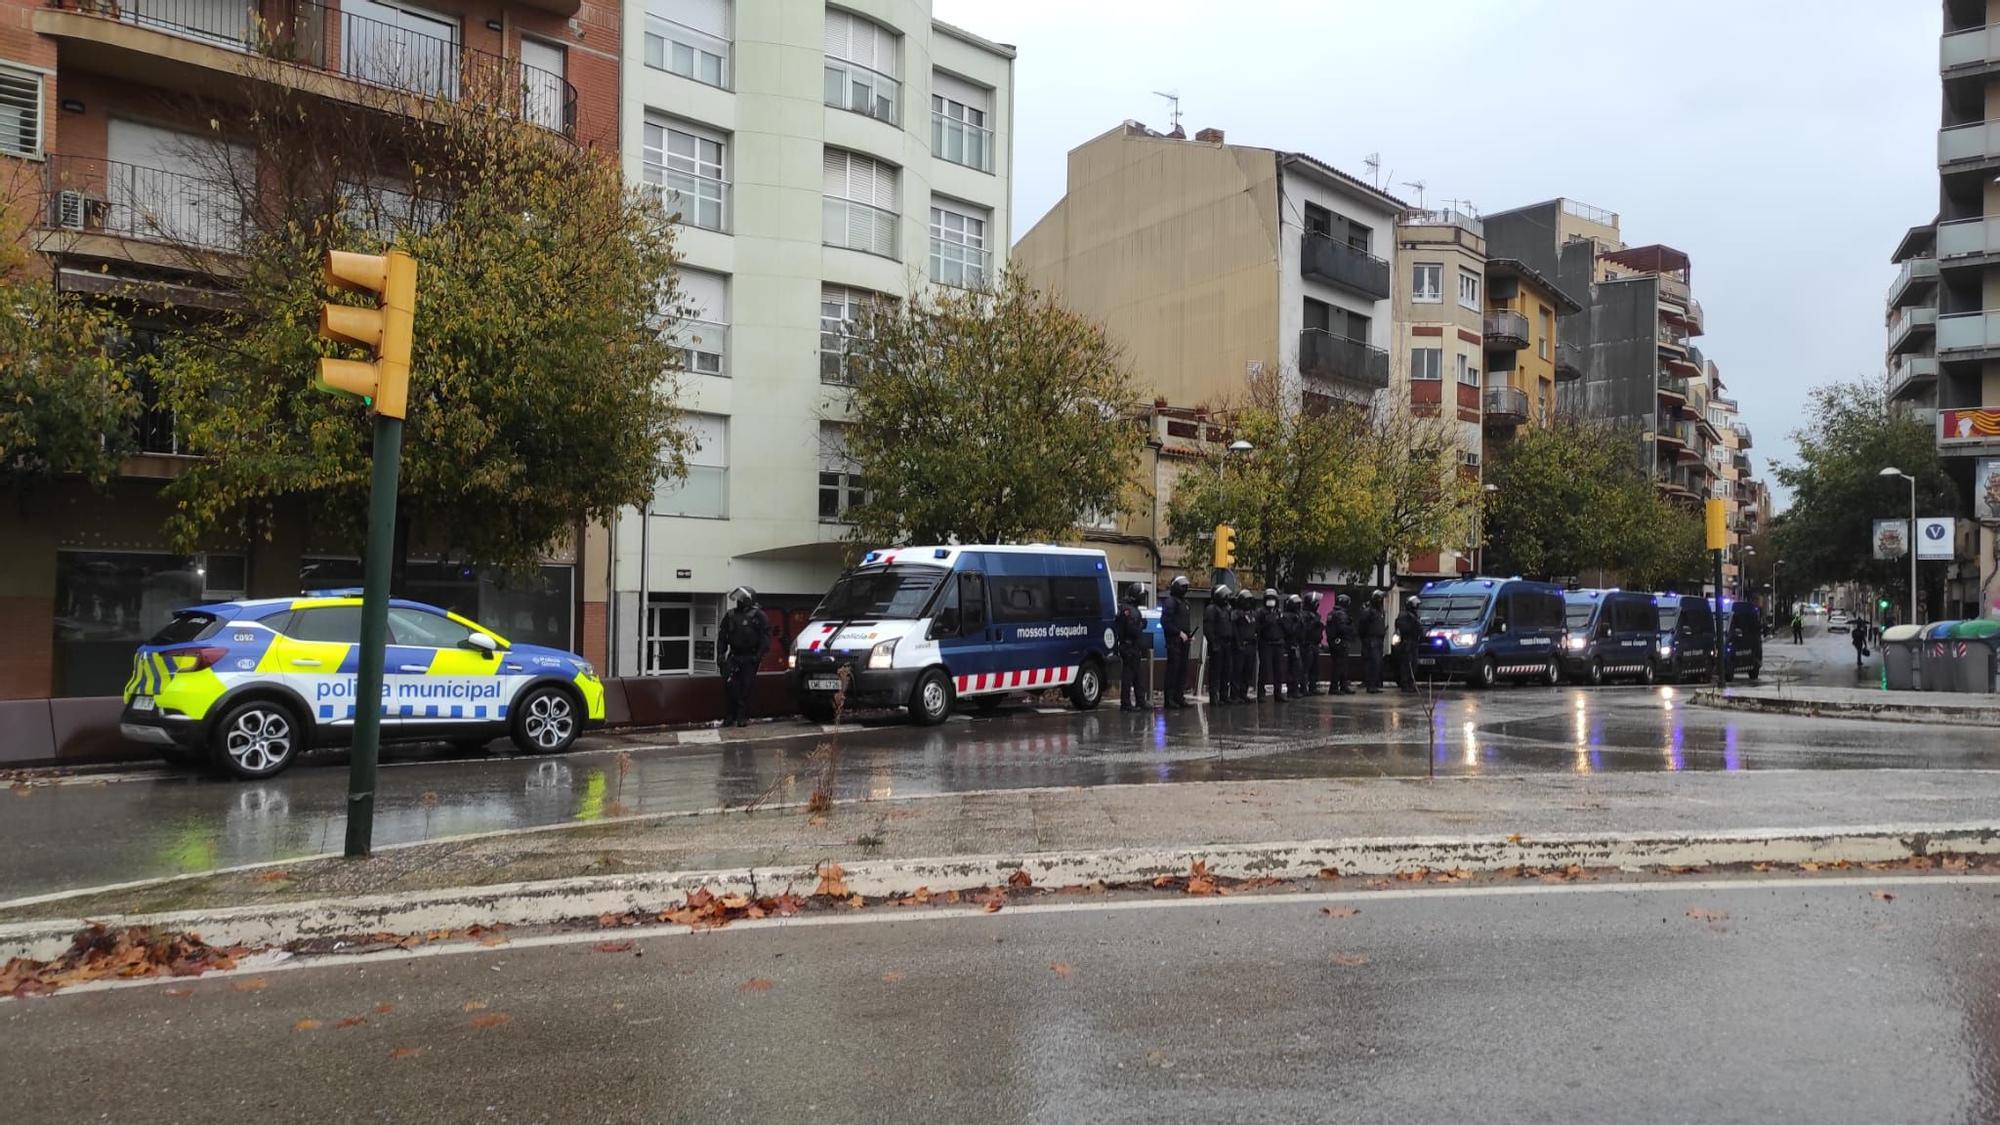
column 1909, row 544
column 1743, row 569
column 1237, row 446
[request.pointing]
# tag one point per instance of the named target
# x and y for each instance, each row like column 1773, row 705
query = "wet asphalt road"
column 92, row 831
column 1774, row 1002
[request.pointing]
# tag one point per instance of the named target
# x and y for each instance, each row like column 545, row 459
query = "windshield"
column 1670, row 616
column 896, row 591
column 1578, row 614
column 1461, row 610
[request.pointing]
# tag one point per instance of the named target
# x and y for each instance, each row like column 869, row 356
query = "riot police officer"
column 1245, row 622
column 1294, row 621
column 1409, row 640
column 1311, row 631
column 1219, row 637
column 1129, row 632
column 740, row 643
column 1339, row 638
column 1177, row 625
column 1271, row 647
column 1374, row 628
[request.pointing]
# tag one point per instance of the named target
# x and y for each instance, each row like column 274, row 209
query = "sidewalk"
column 978, row 831
column 1818, row 701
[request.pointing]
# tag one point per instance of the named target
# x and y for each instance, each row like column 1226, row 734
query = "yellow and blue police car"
column 248, row 686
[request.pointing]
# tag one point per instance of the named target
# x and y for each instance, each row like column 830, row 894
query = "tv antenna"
column 1373, row 161
column 1419, row 186
column 1173, row 107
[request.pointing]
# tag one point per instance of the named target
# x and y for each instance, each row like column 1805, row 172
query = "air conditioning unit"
column 71, row 209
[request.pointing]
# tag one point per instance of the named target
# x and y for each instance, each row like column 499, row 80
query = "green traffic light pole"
column 368, row 697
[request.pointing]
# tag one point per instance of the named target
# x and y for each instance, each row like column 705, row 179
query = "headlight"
column 883, row 655
column 791, row 660
column 1666, row 648
column 1576, row 644
column 1465, row 640
column 583, row 666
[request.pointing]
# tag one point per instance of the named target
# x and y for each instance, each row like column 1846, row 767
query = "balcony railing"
column 1907, row 325
column 1694, row 317
column 374, row 52
column 1569, row 360
column 955, row 263
column 1325, row 258
column 91, row 196
column 1506, row 405
column 1914, row 279
column 1673, row 289
column 700, row 201
column 1327, row 356
column 1979, row 140
column 1968, row 332
column 858, row 226
column 1963, row 238
column 1448, row 217
column 961, row 142
column 1908, row 372
column 704, row 347
column 863, row 90
column 1973, row 47
column 1506, row 329
column 679, row 49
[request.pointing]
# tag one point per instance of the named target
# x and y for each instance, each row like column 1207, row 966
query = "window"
column 1077, row 599
column 1427, row 363
column 20, row 111
column 689, row 38
column 668, row 647
column 395, row 44
column 958, row 122
column 1468, row 375
column 1319, row 220
column 1468, row 289
column 958, row 244
column 859, row 208
column 703, row 332
column 704, row 492
column 839, row 475
column 1319, row 316
column 837, row 307
column 425, row 630
column 861, row 66
column 1469, row 458
column 688, row 166
column 1546, row 342
column 340, row 624
column 1427, row 283
column 107, row 602
column 1020, row 598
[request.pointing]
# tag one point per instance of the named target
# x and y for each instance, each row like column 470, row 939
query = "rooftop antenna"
column 1461, row 205
column 1419, row 185
column 1373, row 161
column 1174, row 103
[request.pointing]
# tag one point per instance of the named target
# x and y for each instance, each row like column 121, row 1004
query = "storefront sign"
column 1935, row 539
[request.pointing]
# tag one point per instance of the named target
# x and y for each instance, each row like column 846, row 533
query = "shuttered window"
column 20, row 111
column 862, row 66
column 860, row 210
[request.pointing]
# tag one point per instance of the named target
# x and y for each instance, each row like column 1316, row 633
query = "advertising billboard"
column 1889, row 538
column 1935, row 539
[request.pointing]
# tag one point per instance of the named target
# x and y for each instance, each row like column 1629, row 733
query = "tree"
column 988, row 415
column 1569, row 501
column 542, row 388
column 1838, row 491
column 66, row 406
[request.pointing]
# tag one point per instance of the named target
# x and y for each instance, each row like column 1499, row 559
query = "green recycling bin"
column 1936, row 669
column 1975, row 644
column 1902, row 667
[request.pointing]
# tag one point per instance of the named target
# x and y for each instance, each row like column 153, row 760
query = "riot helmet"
column 1221, row 593
column 1178, row 587
column 743, row 596
column 1135, row 594
column 1343, row 601
column 1294, row 602
column 1270, row 596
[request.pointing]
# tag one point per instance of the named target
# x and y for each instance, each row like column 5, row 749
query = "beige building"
column 1440, row 353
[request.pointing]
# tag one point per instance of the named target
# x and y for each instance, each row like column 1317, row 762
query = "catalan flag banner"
column 1968, row 425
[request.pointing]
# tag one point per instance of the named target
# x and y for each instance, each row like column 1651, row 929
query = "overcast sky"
column 1785, row 145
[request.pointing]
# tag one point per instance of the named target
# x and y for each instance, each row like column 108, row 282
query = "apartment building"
column 1944, row 304
column 103, row 110
column 820, row 157
column 1439, row 350
column 1526, row 358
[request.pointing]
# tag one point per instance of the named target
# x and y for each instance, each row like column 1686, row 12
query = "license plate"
column 823, row 683
column 142, row 703
column 1427, row 660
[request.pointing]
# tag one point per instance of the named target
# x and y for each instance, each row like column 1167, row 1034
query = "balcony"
column 1970, row 145
column 1506, row 330
column 961, row 142
column 101, row 208
column 1909, row 374
column 859, row 226
column 862, row 89
column 1327, row 356
column 1913, row 282
column 1968, row 335
column 1908, row 326
column 1569, row 361
column 1969, row 50
column 1673, row 391
column 1505, row 406
column 1964, row 242
column 1323, row 258
column 1968, row 430
column 173, row 42
column 1694, row 318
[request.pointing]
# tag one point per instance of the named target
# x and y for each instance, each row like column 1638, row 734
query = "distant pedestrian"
column 1129, row 643
column 1177, row 624
column 1858, row 635
column 1409, row 639
column 742, row 638
column 1798, row 627
column 1374, row 629
column 1218, row 632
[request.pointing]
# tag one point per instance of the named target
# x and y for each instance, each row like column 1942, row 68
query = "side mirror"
column 480, row 642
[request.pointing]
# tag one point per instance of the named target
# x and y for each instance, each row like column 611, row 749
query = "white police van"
column 922, row 627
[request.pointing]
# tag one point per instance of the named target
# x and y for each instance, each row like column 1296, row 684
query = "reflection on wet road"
column 85, row 833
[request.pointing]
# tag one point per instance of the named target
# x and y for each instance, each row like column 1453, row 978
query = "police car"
column 248, row 686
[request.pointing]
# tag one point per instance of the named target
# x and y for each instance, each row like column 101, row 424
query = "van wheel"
column 1755, row 671
column 544, row 721
column 256, row 739
column 816, row 710
column 1552, row 676
column 1088, row 690
column 930, row 700
column 1485, row 674
column 1647, row 674
column 1596, row 673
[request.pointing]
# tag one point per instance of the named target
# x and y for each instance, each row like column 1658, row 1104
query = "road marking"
column 889, row 915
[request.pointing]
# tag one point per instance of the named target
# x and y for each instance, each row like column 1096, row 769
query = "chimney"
column 1209, row 136
column 1177, row 133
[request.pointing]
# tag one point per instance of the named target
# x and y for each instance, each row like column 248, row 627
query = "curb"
column 553, row 901
column 1931, row 713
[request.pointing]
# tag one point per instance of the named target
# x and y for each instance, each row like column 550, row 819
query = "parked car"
column 1483, row 630
column 248, row 686
column 1611, row 634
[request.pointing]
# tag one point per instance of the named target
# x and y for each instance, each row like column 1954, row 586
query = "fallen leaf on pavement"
column 475, row 1005
column 832, row 882
column 1808, row 867
column 250, row 984
column 1883, row 895
column 1350, row 960
column 351, row 1021
column 1956, row 863
column 23, row 789
column 613, row 947
column 405, row 1052
column 1329, row 872
column 953, row 897
column 891, row 977
column 490, row 1019
column 1020, row 879
column 1339, row 911
column 1760, row 867
column 757, row 984
column 274, row 876
column 306, row 1025
column 180, row 993
column 921, row 894
column 993, row 905
column 816, row 820
column 1061, row 968
column 384, row 1008
column 1702, row 915
column 1514, row 838
column 490, row 940
column 1200, row 882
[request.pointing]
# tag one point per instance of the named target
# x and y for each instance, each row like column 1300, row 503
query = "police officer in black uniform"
column 1219, row 634
column 1311, row 631
column 740, row 643
column 1245, row 622
column 1271, row 647
column 1178, row 626
column 1409, row 640
column 1374, row 628
column 1340, row 638
column 1129, row 631
column 1294, row 621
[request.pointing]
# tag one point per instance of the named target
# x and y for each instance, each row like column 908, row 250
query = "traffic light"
column 1882, row 604
column 1225, row 546
column 384, row 382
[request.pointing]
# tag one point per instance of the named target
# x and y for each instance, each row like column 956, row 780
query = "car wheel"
column 1088, row 690
column 545, row 721
column 255, row 739
column 930, row 700
column 1552, row 676
column 1485, row 674
column 816, row 710
column 1596, row 673
column 1648, row 674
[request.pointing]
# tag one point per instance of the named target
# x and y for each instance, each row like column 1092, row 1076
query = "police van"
column 1611, row 634
column 1483, row 630
column 1687, row 637
column 923, row 627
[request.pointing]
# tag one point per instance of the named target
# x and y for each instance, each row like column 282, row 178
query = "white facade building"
column 818, row 154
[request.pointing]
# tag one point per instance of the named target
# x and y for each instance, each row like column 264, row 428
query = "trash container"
column 1975, row 644
column 1938, row 657
column 1901, row 664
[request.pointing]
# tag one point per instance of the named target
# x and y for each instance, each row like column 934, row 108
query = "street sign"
column 1889, row 539
column 1935, row 538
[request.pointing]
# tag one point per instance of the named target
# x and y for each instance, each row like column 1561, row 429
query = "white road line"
column 889, row 915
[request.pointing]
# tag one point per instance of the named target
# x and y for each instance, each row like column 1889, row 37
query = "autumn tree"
column 542, row 388
column 1570, row 501
column 985, row 415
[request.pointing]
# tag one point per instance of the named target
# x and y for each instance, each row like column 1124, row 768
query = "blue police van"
column 1687, row 637
column 1483, row 630
column 923, row 627
column 1611, row 634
